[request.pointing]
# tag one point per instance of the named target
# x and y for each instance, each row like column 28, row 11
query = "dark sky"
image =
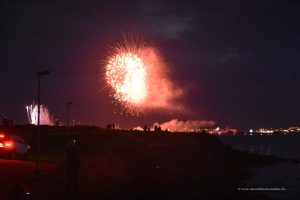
column 240, row 60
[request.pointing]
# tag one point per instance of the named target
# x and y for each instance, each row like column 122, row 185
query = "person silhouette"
column 19, row 192
column 73, row 164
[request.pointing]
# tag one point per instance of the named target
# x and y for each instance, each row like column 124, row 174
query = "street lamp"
column 41, row 73
column 67, row 107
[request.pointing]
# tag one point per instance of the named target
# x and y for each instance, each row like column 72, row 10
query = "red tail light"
column 8, row 144
column 2, row 135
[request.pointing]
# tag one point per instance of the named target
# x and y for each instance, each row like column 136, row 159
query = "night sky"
column 239, row 61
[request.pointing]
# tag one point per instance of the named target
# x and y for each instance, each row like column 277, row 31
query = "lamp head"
column 43, row 73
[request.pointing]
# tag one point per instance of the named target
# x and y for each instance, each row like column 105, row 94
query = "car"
column 12, row 146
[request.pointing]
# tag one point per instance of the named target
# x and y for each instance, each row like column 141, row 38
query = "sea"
column 280, row 181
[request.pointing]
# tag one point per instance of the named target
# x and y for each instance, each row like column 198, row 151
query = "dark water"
column 285, row 177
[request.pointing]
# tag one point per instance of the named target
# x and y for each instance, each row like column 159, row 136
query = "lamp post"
column 67, row 108
column 41, row 73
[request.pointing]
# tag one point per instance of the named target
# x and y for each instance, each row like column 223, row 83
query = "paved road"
column 99, row 172
column 54, row 186
column 13, row 172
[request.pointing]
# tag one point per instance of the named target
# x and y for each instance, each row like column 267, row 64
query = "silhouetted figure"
column 113, row 126
column 145, row 128
column 157, row 128
column 19, row 192
column 73, row 163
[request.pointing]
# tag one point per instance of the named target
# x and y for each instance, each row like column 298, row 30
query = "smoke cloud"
column 184, row 126
column 162, row 92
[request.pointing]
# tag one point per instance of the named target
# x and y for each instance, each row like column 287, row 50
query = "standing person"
column 73, row 163
column 19, row 192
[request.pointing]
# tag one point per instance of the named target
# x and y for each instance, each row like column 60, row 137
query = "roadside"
column 147, row 166
column 17, row 171
column 54, row 186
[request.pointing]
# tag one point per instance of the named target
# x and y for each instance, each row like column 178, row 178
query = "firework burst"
column 137, row 77
column 45, row 117
column 126, row 73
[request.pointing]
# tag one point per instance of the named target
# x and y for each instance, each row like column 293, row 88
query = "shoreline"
column 160, row 165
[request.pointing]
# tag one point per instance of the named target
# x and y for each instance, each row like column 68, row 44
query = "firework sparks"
column 137, row 76
column 126, row 74
column 45, row 117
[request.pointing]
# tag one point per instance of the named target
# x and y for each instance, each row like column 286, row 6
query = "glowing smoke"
column 138, row 78
column 45, row 117
column 184, row 126
column 138, row 128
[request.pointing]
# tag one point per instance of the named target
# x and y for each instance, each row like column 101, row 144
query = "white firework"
column 45, row 117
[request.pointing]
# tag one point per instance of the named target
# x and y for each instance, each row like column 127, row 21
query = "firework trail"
column 138, row 78
column 45, row 117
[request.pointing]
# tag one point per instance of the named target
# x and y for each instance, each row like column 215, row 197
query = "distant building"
column 7, row 122
column 294, row 129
